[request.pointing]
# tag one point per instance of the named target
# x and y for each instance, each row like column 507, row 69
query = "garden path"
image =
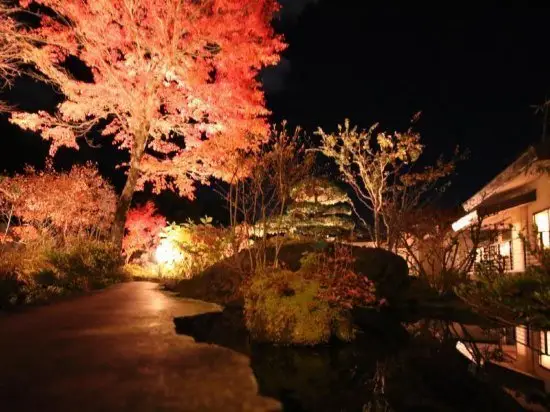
column 116, row 350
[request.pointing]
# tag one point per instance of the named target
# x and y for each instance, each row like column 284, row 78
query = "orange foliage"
column 67, row 202
column 341, row 286
column 143, row 227
column 175, row 82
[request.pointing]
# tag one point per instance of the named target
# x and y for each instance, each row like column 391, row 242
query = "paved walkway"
column 116, row 350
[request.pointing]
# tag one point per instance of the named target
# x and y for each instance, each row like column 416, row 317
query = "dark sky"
column 475, row 73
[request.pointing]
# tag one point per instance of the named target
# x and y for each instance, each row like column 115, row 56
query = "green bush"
column 222, row 282
column 283, row 307
column 514, row 297
column 13, row 280
column 11, row 288
column 85, row 265
column 41, row 271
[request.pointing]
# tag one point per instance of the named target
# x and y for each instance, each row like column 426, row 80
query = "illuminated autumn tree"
column 74, row 202
column 257, row 203
column 10, row 51
column 382, row 169
column 143, row 228
column 174, row 82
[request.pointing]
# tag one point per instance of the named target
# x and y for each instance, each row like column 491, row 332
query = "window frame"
column 544, row 347
column 539, row 233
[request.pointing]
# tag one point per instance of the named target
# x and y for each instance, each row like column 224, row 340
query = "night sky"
column 475, row 73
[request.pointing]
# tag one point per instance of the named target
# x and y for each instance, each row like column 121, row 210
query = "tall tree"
column 382, row 169
column 257, row 204
column 9, row 51
column 173, row 81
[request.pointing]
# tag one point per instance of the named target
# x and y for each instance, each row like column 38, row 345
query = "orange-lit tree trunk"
column 125, row 199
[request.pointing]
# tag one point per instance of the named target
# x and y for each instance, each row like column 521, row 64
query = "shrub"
column 283, row 307
column 11, row 281
column 341, row 286
column 188, row 249
column 18, row 282
column 513, row 297
column 310, row 305
column 142, row 271
column 388, row 271
column 65, row 202
column 86, row 264
column 143, row 228
column 222, row 282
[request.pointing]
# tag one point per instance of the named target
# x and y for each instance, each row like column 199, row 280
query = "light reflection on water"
column 378, row 372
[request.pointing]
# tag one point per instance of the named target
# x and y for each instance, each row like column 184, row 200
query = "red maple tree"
column 175, row 82
column 143, row 227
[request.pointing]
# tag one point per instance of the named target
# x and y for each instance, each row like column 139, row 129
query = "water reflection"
column 376, row 373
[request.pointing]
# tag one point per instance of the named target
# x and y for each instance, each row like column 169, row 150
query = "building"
column 514, row 211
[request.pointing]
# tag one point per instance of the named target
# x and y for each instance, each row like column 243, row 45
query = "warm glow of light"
column 545, row 349
column 167, row 253
column 505, row 249
column 522, row 340
column 521, row 334
column 542, row 220
column 467, row 352
column 158, row 303
column 465, row 221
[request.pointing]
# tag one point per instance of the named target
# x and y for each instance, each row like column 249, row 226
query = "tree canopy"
column 173, row 82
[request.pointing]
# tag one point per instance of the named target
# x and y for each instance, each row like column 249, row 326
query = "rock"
column 388, row 271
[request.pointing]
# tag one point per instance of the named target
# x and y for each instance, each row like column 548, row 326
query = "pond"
column 404, row 368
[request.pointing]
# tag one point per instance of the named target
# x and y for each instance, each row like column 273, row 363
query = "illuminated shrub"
column 143, row 228
column 341, row 286
column 223, row 282
column 40, row 271
column 522, row 298
column 310, row 305
column 282, row 307
column 86, row 265
column 62, row 203
column 12, row 280
column 187, row 249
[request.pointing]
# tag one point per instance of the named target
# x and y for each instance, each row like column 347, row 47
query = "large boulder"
column 221, row 283
column 388, row 271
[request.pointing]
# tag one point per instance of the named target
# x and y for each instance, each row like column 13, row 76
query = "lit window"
column 479, row 254
column 522, row 335
column 545, row 349
column 504, row 249
column 542, row 222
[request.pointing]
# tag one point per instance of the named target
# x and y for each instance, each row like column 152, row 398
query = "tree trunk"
column 376, row 228
column 125, row 199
